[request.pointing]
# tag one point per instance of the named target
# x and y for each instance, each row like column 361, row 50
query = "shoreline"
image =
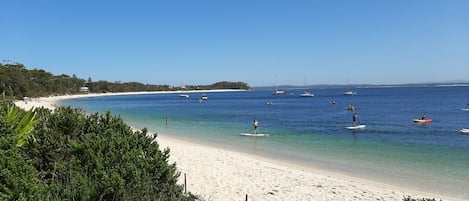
column 215, row 173
column 50, row 102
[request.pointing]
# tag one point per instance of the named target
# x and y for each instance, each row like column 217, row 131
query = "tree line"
column 67, row 155
column 17, row 81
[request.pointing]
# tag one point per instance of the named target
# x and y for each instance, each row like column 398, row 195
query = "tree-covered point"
column 67, row 155
column 17, row 81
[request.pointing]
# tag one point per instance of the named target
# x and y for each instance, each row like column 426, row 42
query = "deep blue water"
column 310, row 131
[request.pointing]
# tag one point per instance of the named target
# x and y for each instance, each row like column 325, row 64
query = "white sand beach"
column 219, row 174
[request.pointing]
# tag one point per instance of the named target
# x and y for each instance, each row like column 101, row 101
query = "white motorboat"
column 464, row 131
column 307, row 94
column 350, row 93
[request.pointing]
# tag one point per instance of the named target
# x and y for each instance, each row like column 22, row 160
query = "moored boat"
column 278, row 92
column 184, row 95
column 464, row 131
column 307, row 94
column 350, row 93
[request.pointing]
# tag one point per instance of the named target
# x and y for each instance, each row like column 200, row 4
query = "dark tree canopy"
column 16, row 81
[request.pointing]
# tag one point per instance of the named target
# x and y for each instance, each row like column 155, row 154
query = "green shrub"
column 78, row 157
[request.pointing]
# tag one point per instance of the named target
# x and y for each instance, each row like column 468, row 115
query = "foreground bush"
column 72, row 156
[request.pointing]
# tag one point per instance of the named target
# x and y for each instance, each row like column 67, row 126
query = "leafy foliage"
column 21, row 122
column 83, row 157
column 16, row 81
column 18, row 179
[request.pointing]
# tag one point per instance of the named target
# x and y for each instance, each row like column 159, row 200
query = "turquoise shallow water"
column 310, row 131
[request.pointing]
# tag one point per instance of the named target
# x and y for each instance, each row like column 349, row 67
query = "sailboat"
column 349, row 93
column 277, row 91
column 306, row 93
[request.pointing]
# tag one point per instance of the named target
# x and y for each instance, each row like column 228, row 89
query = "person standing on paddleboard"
column 354, row 119
column 255, row 123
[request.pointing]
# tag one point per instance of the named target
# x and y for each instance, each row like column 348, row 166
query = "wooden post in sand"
column 185, row 184
column 246, row 197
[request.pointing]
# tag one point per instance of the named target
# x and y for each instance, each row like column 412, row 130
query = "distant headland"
column 16, row 81
column 338, row 86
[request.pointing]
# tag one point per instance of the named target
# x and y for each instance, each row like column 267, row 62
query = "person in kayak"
column 255, row 124
column 424, row 116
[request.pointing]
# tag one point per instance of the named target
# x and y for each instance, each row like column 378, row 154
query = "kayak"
column 362, row 126
column 423, row 120
column 464, row 131
column 255, row 134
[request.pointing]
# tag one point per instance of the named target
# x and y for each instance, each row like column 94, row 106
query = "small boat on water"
column 423, row 121
column 464, row 131
column 204, row 97
column 350, row 107
column 184, row 95
column 466, row 109
column 307, row 94
column 350, row 93
column 278, row 92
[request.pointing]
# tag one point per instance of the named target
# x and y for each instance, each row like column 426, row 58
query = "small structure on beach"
column 84, row 89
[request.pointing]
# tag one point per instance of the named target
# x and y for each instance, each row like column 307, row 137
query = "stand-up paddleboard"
column 255, row 134
column 357, row 127
column 464, row 131
column 422, row 120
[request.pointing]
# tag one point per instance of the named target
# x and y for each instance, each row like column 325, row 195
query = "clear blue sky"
column 204, row 41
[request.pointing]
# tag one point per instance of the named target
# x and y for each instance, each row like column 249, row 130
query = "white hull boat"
column 465, row 131
column 350, row 93
column 307, row 94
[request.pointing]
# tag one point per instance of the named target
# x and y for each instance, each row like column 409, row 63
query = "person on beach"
column 255, row 123
column 354, row 119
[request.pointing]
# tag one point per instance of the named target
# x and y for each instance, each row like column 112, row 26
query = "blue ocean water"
column 310, row 131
